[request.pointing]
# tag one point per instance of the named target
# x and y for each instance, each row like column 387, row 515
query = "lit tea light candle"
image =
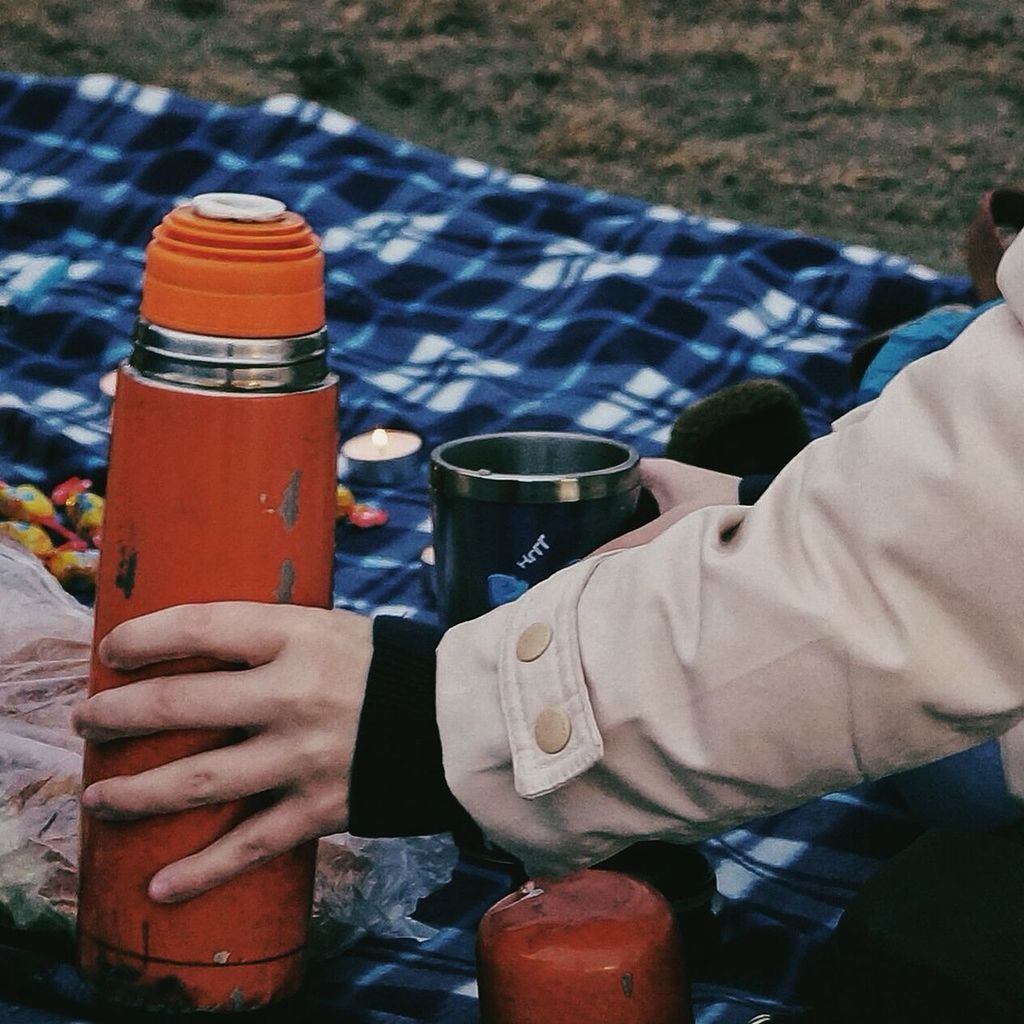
column 381, row 457
column 108, row 384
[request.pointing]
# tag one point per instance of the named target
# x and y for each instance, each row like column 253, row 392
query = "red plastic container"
column 595, row 947
column 221, row 487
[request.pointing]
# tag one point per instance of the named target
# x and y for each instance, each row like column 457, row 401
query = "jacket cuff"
column 514, row 695
column 397, row 785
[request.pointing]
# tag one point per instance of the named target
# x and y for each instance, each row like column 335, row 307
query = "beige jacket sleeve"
column 866, row 615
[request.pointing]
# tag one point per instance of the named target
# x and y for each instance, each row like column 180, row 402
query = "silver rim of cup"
column 231, row 364
column 534, row 467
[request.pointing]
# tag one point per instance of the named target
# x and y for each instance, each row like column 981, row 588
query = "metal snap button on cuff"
column 533, row 641
column 552, row 730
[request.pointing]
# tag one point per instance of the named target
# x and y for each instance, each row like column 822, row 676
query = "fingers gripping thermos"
column 221, row 487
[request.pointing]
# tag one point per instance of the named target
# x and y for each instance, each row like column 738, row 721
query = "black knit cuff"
column 753, row 486
column 397, row 785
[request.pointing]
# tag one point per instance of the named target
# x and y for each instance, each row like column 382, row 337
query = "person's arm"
column 397, row 782
column 341, row 728
column 861, row 618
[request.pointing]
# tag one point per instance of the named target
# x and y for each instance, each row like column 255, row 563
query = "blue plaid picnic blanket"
column 461, row 298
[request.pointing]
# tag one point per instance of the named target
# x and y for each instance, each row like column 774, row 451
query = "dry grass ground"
column 876, row 121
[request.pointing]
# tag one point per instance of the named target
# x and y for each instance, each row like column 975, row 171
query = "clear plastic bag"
column 362, row 885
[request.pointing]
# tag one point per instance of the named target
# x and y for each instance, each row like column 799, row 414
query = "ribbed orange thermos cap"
column 234, row 265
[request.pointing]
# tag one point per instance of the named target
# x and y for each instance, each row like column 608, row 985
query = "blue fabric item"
column 929, row 333
column 461, row 299
column 965, row 790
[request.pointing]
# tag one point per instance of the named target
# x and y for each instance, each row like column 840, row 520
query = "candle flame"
column 379, row 437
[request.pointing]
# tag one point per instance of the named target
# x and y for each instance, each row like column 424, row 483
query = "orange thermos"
column 591, row 946
column 221, row 486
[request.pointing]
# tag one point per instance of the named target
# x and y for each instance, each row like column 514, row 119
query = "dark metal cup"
column 511, row 509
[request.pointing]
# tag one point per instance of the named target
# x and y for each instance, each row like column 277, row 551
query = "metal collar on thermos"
column 231, row 364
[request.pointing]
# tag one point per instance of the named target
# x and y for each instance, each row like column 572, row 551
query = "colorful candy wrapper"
column 365, row 516
column 358, row 513
column 85, row 510
column 29, row 535
column 24, row 503
column 70, row 566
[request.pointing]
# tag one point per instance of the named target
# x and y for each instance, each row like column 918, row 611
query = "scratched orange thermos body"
column 221, row 486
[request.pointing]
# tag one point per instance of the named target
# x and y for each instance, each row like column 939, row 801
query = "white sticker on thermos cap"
column 238, row 206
